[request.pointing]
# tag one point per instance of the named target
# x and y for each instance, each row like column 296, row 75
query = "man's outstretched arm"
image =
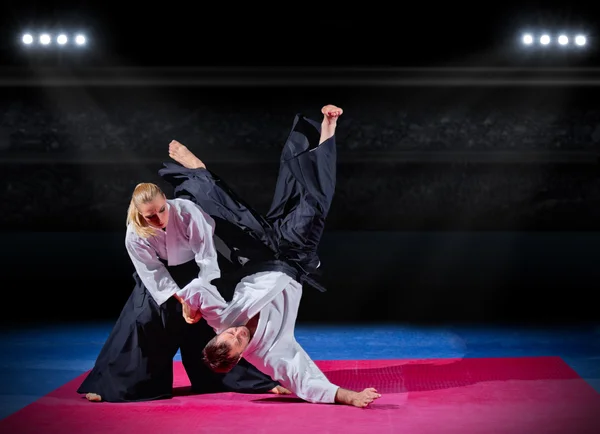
column 295, row 370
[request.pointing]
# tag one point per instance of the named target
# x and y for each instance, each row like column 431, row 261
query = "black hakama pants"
column 136, row 361
column 292, row 228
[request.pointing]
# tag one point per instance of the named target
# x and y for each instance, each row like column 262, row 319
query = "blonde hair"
column 142, row 193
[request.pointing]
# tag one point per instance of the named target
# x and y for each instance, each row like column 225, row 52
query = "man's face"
column 156, row 212
column 237, row 338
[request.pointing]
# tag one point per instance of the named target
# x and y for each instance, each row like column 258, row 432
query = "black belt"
column 276, row 265
column 184, row 273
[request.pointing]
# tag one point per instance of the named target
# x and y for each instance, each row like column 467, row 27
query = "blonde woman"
column 170, row 243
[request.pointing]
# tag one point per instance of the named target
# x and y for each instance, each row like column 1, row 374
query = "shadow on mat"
column 437, row 375
column 183, row 391
column 294, row 400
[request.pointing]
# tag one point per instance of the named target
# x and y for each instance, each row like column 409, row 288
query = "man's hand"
column 366, row 397
column 190, row 314
column 357, row 399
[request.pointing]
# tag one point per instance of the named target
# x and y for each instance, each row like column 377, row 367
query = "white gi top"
column 273, row 348
column 188, row 235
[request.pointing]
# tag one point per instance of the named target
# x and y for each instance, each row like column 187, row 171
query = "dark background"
column 458, row 199
column 375, row 33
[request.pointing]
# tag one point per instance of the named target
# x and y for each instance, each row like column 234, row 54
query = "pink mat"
column 527, row 395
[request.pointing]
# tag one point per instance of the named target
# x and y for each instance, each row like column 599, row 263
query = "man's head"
column 225, row 350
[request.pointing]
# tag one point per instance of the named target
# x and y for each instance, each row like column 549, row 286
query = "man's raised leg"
column 192, row 180
column 305, row 187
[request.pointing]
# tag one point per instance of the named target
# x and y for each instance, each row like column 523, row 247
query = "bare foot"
column 183, row 156
column 280, row 390
column 94, row 397
column 331, row 114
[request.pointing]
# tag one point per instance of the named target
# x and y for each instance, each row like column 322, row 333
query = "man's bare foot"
column 331, row 114
column 280, row 390
column 94, row 397
column 184, row 156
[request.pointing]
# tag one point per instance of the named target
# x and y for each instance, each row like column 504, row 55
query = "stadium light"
column 45, row 39
column 580, row 40
column 548, row 39
column 527, row 39
column 62, row 39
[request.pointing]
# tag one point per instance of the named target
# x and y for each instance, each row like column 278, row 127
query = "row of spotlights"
column 46, row 39
column 545, row 39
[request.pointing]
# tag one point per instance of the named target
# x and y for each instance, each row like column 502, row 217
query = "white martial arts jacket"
column 188, row 236
column 273, row 348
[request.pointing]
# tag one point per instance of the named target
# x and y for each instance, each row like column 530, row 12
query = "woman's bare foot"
column 184, row 156
column 280, row 390
column 94, row 397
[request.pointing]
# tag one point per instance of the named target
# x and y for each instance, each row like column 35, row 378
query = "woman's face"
column 156, row 212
